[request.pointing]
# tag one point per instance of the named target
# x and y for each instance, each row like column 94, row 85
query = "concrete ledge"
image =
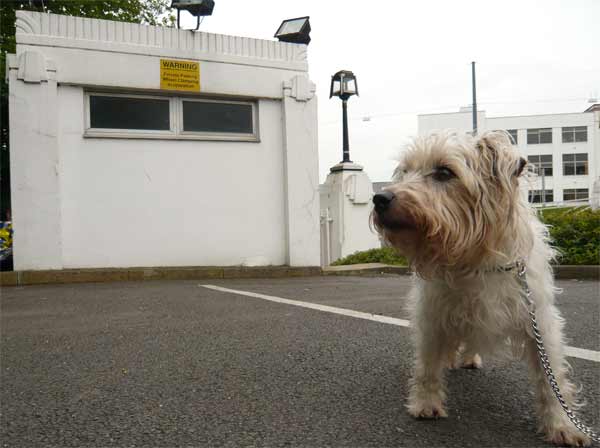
column 366, row 269
column 21, row 278
column 583, row 272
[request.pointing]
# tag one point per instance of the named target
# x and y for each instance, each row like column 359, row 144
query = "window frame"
column 536, row 131
column 575, row 163
column 176, row 131
column 235, row 136
column 537, row 194
column 573, row 131
column 127, row 133
column 575, row 192
column 539, row 165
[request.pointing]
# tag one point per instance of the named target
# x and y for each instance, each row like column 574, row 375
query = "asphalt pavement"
column 171, row 363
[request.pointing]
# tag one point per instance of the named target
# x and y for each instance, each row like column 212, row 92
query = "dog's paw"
column 472, row 362
column 427, row 410
column 567, row 436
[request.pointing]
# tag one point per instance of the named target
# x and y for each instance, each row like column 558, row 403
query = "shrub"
column 386, row 255
column 575, row 233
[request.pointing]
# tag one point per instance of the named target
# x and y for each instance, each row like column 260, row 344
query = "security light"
column 295, row 31
column 197, row 8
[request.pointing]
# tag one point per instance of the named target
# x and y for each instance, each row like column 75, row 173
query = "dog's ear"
column 488, row 152
column 521, row 166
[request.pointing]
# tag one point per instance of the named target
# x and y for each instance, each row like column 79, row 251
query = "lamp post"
column 344, row 85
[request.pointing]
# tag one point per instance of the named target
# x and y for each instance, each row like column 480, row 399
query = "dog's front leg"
column 427, row 389
column 553, row 420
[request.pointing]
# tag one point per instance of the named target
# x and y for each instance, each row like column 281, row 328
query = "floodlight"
column 295, row 31
column 197, row 8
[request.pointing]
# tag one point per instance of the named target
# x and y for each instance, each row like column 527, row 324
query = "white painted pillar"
column 346, row 197
column 34, row 162
column 301, row 172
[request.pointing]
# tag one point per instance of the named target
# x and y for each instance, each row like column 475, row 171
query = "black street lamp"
column 343, row 85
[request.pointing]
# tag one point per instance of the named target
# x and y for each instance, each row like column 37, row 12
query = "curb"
column 366, row 269
column 22, row 278
column 60, row 276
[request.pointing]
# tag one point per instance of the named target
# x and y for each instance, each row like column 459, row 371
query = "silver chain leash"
column 545, row 361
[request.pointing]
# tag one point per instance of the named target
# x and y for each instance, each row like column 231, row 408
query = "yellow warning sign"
column 176, row 74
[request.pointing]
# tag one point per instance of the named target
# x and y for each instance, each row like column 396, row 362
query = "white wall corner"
column 300, row 88
column 301, row 172
column 34, row 163
column 32, row 67
column 27, row 22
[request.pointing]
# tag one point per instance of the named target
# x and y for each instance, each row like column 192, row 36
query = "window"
column 513, row 135
column 542, row 163
column 575, row 194
column 541, row 196
column 219, row 117
column 538, row 136
column 145, row 116
column 574, row 134
column 575, row 164
column 117, row 112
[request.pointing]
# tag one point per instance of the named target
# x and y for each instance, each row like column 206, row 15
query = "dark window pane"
column 581, row 136
column 217, row 117
column 546, row 158
column 568, row 157
column 547, row 171
column 546, row 136
column 533, row 137
column 513, row 135
column 581, row 157
column 117, row 112
column 568, row 169
column 567, row 136
column 581, row 168
column 549, row 196
column 582, row 193
column 533, row 159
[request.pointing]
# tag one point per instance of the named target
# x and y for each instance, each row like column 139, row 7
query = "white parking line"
column 574, row 352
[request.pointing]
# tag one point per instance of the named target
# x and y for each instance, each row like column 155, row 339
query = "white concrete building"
column 564, row 147
column 134, row 145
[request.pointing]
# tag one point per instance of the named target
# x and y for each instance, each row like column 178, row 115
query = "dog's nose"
column 382, row 200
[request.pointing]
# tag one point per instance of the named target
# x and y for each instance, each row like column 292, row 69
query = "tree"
column 151, row 12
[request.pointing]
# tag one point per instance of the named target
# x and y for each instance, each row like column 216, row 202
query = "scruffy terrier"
column 455, row 210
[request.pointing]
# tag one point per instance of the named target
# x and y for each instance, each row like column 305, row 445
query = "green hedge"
column 575, row 232
column 385, row 255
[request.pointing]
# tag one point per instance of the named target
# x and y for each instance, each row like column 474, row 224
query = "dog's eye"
column 443, row 174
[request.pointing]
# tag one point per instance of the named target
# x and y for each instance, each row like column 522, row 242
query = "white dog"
column 456, row 211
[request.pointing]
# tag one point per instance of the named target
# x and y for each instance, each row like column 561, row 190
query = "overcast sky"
column 412, row 57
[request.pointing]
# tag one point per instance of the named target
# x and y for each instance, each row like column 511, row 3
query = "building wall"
column 81, row 201
column 461, row 121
